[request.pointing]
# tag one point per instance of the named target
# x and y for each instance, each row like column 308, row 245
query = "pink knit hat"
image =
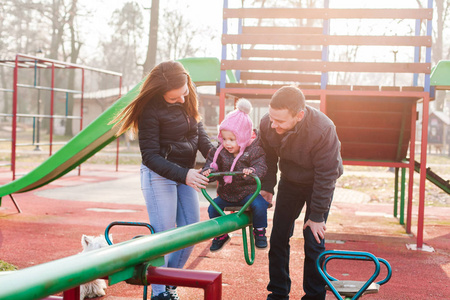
column 240, row 124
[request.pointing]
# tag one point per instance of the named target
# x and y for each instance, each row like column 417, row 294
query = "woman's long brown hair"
column 166, row 76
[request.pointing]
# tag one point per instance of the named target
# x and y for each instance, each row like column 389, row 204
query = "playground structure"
column 365, row 140
column 57, row 72
column 375, row 124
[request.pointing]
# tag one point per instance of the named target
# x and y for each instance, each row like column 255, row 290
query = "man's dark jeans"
column 291, row 197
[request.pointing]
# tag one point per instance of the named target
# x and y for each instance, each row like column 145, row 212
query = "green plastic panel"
column 440, row 75
column 205, row 70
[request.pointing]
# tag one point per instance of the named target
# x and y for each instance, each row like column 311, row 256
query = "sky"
column 200, row 12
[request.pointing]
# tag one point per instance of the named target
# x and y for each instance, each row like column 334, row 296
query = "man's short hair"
column 290, row 98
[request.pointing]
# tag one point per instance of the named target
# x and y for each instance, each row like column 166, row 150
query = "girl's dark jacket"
column 169, row 139
column 240, row 187
column 309, row 154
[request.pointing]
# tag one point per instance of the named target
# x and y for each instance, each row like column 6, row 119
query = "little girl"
column 240, row 150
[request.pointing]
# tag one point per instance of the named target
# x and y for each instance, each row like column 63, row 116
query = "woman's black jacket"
column 169, row 139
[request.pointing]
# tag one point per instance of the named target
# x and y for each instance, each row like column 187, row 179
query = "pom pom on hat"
column 240, row 124
column 244, row 105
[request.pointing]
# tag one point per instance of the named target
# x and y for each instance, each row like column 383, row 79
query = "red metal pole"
column 52, row 103
column 118, row 141
column 412, row 151
column 14, row 120
column 81, row 109
column 423, row 171
column 82, row 100
column 210, row 282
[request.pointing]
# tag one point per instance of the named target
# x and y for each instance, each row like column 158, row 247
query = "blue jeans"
column 169, row 204
column 291, row 198
column 258, row 207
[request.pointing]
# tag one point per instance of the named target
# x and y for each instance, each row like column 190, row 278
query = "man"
column 303, row 143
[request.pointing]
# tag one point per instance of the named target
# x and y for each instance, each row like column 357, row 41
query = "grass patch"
column 4, row 266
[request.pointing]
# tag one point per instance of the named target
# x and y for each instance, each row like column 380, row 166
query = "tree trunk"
column 150, row 60
column 74, row 52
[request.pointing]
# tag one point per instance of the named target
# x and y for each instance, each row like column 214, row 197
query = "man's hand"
column 267, row 196
column 317, row 229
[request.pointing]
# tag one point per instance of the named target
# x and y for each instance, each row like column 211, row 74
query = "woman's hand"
column 196, row 180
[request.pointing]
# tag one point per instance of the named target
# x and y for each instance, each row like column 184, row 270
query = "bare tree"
column 122, row 50
column 28, row 23
column 180, row 36
column 150, row 60
column 75, row 46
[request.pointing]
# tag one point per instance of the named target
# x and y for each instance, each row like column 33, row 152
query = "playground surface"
column 55, row 216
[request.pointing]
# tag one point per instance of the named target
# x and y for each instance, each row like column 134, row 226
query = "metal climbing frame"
column 23, row 61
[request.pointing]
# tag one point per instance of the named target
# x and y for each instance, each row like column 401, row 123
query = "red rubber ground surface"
column 51, row 229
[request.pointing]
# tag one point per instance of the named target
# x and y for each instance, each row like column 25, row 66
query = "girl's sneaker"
column 219, row 242
column 260, row 238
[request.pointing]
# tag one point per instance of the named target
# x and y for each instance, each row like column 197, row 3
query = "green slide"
column 85, row 144
column 434, row 178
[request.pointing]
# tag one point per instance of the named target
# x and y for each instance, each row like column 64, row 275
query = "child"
column 239, row 150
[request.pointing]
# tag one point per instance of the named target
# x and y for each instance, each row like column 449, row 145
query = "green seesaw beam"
column 122, row 259
column 85, row 144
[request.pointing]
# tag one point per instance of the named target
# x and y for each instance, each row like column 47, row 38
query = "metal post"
column 38, row 118
column 423, row 172
column 412, row 152
column 118, row 140
column 52, row 103
column 395, row 60
column 81, row 109
column 14, row 119
column 223, row 75
column 402, row 198
column 222, row 98
column 40, row 54
column 325, row 50
column 15, row 203
column 395, row 192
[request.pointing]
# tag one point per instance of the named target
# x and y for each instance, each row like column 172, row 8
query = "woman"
column 165, row 115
